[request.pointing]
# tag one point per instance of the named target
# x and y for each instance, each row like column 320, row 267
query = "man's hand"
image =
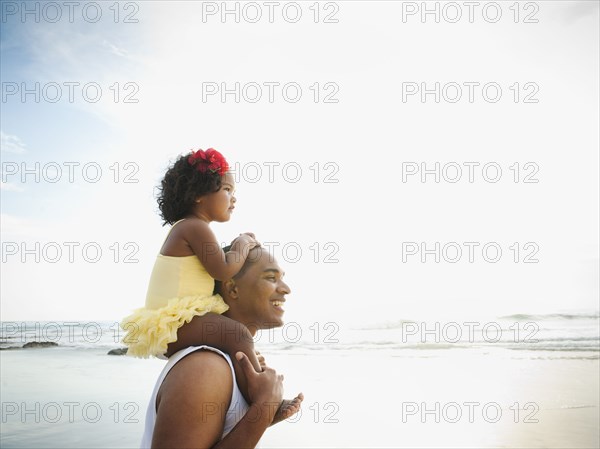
column 288, row 407
column 264, row 389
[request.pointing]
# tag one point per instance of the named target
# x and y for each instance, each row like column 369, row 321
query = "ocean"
column 579, row 333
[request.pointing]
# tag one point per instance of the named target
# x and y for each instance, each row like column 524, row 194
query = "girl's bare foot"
column 288, row 408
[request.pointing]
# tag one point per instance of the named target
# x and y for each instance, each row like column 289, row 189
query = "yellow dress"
column 180, row 288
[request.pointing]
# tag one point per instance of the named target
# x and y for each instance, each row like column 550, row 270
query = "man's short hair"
column 247, row 263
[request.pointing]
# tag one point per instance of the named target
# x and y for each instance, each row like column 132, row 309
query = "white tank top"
column 236, row 411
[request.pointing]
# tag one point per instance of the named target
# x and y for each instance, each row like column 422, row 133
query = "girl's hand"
column 261, row 360
column 250, row 237
column 246, row 240
column 288, row 408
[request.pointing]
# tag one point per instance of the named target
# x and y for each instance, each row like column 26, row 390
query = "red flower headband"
column 210, row 159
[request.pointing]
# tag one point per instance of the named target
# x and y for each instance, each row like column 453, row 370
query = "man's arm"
column 223, row 333
column 192, row 402
column 194, row 398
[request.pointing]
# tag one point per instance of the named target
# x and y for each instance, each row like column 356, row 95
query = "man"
column 197, row 400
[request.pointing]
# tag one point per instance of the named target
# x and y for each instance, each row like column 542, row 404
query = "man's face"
column 261, row 292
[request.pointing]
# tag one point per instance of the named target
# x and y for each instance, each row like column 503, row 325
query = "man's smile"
column 278, row 303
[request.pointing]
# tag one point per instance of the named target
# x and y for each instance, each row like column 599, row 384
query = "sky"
column 368, row 139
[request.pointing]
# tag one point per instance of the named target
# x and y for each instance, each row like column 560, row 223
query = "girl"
column 181, row 309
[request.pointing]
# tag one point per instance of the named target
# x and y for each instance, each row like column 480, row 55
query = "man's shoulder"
column 203, row 360
column 199, row 372
column 196, row 387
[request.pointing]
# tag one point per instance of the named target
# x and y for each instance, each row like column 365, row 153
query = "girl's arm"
column 223, row 333
column 220, row 265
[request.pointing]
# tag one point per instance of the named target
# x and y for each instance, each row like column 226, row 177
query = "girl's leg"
column 223, row 333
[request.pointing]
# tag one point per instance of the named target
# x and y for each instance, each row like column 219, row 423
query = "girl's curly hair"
column 180, row 187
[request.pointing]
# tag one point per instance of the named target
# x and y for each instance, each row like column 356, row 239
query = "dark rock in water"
column 118, row 351
column 40, row 344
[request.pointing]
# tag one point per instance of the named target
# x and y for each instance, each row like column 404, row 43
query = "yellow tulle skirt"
column 149, row 331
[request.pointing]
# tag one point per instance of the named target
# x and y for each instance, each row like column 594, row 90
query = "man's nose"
column 233, row 199
column 284, row 288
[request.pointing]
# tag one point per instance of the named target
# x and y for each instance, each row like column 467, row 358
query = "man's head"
column 256, row 294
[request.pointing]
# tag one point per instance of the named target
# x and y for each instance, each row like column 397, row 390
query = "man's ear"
column 231, row 289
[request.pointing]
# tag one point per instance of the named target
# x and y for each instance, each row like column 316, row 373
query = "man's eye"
column 272, row 278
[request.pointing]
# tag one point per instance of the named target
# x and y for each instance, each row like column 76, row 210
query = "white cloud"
column 13, row 225
column 11, row 187
column 11, row 144
column 115, row 50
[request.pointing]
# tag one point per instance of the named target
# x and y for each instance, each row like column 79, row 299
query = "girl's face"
column 218, row 206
